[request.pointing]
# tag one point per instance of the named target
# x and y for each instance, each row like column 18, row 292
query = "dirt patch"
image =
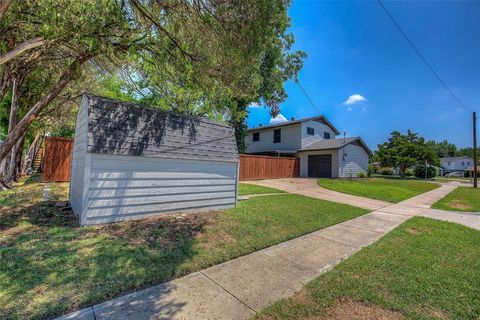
column 348, row 309
column 458, row 204
column 413, row 231
column 166, row 232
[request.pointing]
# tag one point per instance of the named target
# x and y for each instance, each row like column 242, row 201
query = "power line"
column 306, row 95
column 429, row 66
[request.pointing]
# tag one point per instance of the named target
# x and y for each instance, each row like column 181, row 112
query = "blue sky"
column 354, row 48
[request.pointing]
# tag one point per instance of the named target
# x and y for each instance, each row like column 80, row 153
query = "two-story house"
column 314, row 141
column 453, row 164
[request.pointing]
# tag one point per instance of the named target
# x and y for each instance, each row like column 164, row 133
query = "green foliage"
column 409, row 172
column 361, row 174
column 443, row 149
column 404, row 151
column 386, row 171
column 420, row 171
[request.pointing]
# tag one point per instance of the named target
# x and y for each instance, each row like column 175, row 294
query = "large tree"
column 201, row 52
column 406, row 150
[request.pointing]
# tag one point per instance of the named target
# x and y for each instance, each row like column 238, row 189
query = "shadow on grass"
column 51, row 266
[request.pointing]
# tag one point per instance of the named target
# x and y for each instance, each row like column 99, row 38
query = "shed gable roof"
column 123, row 128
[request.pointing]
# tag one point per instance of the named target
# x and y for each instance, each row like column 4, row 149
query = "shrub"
column 371, row 169
column 386, row 171
column 361, row 174
column 420, row 171
column 409, row 173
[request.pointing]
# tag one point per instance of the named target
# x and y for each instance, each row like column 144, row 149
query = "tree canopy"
column 406, row 150
column 209, row 58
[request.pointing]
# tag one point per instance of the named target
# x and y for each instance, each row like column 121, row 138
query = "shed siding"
column 290, row 139
column 79, row 160
column 356, row 161
column 129, row 187
column 304, row 161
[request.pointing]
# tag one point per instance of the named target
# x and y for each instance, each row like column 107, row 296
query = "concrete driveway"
column 310, row 188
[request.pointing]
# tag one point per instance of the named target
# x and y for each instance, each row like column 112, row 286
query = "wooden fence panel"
column 57, row 159
column 264, row 167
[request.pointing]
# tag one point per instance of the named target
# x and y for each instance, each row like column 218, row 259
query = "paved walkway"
column 310, row 188
column 471, row 220
column 238, row 288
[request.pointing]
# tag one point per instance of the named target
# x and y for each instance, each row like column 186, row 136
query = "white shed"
column 132, row 161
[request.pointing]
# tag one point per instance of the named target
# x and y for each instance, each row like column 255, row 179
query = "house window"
column 449, row 163
column 326, row 135
column 463, row 163
column 468, row 163
column 310, row 131
column 277, row 135
column 256, row 136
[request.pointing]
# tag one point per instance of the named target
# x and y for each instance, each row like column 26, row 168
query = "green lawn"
column 246, row 189
column 391, row 190
column 461, row 199
column 424, row 269
column 49, row 266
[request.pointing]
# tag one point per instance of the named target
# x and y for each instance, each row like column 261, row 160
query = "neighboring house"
column 452, row 164
column 313, row 141
column 131, row 161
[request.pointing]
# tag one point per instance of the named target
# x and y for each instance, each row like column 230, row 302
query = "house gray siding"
column 319, row 130
column 356, row 161
column 148, row 164
column 290, row 139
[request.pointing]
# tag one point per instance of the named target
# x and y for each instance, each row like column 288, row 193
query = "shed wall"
column 79, row 160
column 129, row 187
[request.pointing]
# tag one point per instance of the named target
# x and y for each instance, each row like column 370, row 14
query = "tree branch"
column 150, row 18
column 21, row 48
column 32, row 114
column 4, row 5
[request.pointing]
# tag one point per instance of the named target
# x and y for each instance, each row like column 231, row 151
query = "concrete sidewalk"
column 471, row 220
column 310, row 188
column 238, row 288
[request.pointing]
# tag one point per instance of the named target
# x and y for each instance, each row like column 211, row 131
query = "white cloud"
column 278, row 119
column 255, row 105
column 354, row 99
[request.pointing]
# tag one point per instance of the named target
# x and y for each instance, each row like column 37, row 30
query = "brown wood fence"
column 263, row 167
column 57, row 159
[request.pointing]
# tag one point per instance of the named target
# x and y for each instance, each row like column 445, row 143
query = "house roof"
column 289, row 123
column 123, row 128
column 454, row 158
column 328, row 144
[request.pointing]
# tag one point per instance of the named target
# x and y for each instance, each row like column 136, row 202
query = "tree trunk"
column 32, row 114
column 12, row 122
column 17, row 166
column 31, row 154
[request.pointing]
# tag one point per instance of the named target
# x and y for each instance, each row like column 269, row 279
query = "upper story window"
column 310, row 131
column 326, row 135
column 256, row 136
column 463, row 163
column 277, row 135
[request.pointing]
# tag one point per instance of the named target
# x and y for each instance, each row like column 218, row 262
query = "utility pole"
column 475, row 184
